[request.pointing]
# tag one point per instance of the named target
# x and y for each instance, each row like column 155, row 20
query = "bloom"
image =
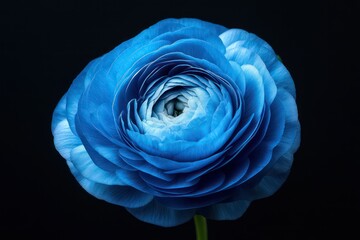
column 188, row 117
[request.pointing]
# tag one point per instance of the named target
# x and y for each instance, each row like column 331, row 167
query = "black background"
column 44, row 45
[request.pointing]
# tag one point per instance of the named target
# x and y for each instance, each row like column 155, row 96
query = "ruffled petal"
column 64, row 138
column 161, row 215
column 84, row 164
column 120, row 195
column 225, row 211
column 244, row 56
column 77, row 88
column 257, row 45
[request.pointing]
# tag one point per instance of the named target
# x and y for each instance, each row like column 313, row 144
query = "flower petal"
column 120, row 195
column 257, row 45
column 64, row 138
column 161, row 215
column 84, row 164
column 225, row 211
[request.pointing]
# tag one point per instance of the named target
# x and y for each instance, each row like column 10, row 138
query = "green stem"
column 201, row 227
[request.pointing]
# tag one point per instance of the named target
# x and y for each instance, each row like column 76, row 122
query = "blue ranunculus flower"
column 186, row 118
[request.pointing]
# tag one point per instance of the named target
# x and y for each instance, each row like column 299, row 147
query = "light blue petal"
column 244, row 56
column 254, row 96
column 251, row 42
column 84, row 164
column 240, row 78
column 64, row 138
column 282, row 78
column 233, row 35
column 257, row 45
column 158, row 214
column 289, row 104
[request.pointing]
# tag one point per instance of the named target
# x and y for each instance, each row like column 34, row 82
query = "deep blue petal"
column 193, row 33
column 100, row 160
column 77, row 88
column 265, row 185
column 235, row 172
column 273, row 175
column 225, row 211
column 132, row 178
column 183, row 203
column 145, row 167
column 59, row 113
column 208, row 184
column 161, row 215
column 178, row 182
column 216, row 28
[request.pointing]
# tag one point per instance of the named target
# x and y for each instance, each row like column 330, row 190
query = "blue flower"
column 186, row 118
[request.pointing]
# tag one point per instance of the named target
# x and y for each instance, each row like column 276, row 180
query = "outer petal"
column 225, row 211
column 64, row 138
column 84, row 164
column 158, row 214
column 120, row 195
column 270, row 179
column 257, row 45
column 77, row 88
column 192, row 22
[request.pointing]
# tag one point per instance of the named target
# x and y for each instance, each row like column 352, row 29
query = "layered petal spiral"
column 188, row 117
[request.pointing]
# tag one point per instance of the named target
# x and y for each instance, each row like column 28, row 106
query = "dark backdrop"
column 44, row 45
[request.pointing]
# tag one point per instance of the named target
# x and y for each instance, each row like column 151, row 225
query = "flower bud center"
column 176, row 106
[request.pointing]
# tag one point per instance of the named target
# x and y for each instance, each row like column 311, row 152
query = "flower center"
column 176, row 106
